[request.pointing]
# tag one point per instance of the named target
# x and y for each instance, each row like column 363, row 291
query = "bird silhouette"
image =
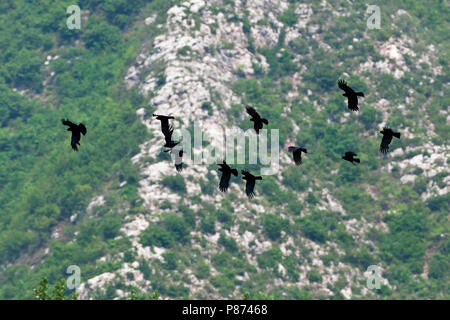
column 250, row 185
column 179, row 160
column 297, row 152
column 178, row 154
column 165, row 128
column 169, row 142
column 226, row 175
column 76, row 132
column 387, row 138
column 350, row 156
column 256, row 118
column 167, row 131
column 352, row 96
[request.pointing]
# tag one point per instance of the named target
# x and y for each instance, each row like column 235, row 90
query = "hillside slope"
column 120, row 211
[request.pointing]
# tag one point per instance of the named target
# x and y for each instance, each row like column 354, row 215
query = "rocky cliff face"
column 206, row 48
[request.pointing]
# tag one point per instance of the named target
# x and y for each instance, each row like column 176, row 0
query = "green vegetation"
column 43, row 181
column 46, row 188
column 59, row 291
column 174, row 183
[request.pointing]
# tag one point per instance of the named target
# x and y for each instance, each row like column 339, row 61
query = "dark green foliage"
column 207, row 106
column 59, row 291
column 270, row 258
column 157, row 236
column 298, row 294
column 369, row 117
column 178, row 227
column 121, row 12
column 316, row 225
column 438, row 203
column 246, row 25
column 361, row 258
column 322, row 75
column 208, row 225
column 299, row 46
column 228, row 243
column 289, row 17
column 99, row 35
column 175, row 183
column 405, row 241
column 281, row 65
column 202, row 271
column 170, row 259
column 273, row 225
column 439, row 267
column 314, row 276
column 188, row 215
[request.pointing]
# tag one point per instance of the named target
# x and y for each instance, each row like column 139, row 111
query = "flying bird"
column 226, row 175
column 169, row 142
column 256, row 118
column 179, row 160
column 167, row 131
column 387, row 138
column 165, row 128
column 76, row 132
column 297, row 152
column 352, row 96
column 250, row 185
column 178, row 154
column 350, row 157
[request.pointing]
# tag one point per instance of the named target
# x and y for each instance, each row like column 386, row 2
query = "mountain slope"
column 312, row 231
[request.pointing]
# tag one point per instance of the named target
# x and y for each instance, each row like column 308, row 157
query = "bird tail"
column 396, row 134
column 234, row 172
column 357, row 160
column 304, row 150
column 265, row 121
column 258, row 178
column 360, row 94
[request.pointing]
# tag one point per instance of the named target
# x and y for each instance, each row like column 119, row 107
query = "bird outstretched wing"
column 352, row 103
column 342, row 84
column 249, row 188
column 224, row 181
column 168, row 135
column 178, row 160
column 75, row 140
column 250, row 185
column 384, row 147
column 66, row 122
column 252, row 112
column 82, row 128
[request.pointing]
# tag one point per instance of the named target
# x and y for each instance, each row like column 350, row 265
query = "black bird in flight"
column 250, row 185
column 179, row 160
column 387, row 138
column 167, row 131
column 350, row 156
column 76, row 132
column 169, row 142
column 256, row 118
column 165, row 128
column 297, row 152
column 226, row 175
column 178, row 153
column 352, row 96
